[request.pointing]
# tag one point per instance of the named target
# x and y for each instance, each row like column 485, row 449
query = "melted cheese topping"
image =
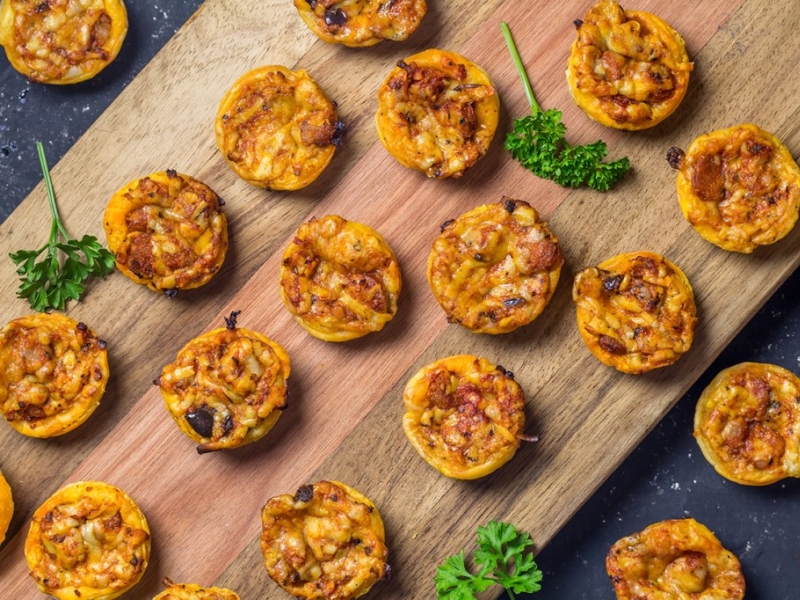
column 738, row 187
column 674, row 560
column 88, row 541
column 340, row 279
column 437, row 112
column 226, row 387
column 192, row 591
column 635, row 311
column 325, row 542
column 62, row 41
column 53, row 372
column 6, row 507
column 168, row 231
column 627, row 69
column 495, row 268
column 360, row 23
column 747, row 423
column 277, row 129
column 464, row 416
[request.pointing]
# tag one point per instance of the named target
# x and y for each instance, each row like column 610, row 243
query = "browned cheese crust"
column 326, row 542
column 53, row 372
column 495, row 268
column 361, row 23
column 340, row 279
column 739, row 187
column 226, row 387
column 674, row 560
column 6, row 507
column 168, row 231
column 635, row 311
column 277, row 129
column 192, row 591
column 628, row 69
column 747, row 423
column 464, row 416
column 437, row 113
column 62, row 41
column 88, row 541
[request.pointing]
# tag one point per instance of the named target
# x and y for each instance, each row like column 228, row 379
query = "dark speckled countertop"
column 665, row 477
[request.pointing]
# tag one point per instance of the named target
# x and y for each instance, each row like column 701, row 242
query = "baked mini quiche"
column 6, row 507
column 88, row 541
column 325, row 542
column 192, row 591
column 739, row 187
column 464, row 416
column 747, row 423
column 62, row 41
column 635, row 311
column 340, row 279
column 53, row 373
column 677, row 559
column 627, row 69
column 167, row 231
column 437, row 113
column 227, row 387
column 494, row 268
column 277, row 129
column 361, row 23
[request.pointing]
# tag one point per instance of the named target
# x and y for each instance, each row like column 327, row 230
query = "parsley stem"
column 51, row 196
column 526, row 83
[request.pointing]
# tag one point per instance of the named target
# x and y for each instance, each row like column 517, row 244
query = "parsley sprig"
column 502, row 557
column 537, row 142
column 51, row 282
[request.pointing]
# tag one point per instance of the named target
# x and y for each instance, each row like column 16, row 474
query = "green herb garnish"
column 50, row 282
column 502, row 557
column 537, row 143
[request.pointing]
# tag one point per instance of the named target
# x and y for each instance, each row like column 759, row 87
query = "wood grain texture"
column 345, row 413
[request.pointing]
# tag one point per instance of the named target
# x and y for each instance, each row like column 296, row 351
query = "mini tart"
column 738, row 187
column 627, row 69
column 168, row 231
column 226, row 387
column 361, row 23
column 277, row 129
column 62, row 41
column 747, row 423
column 678, row 559
column 495, row 268
column 325, row 542
column 88, row 541
column 635, row 311
column 192, row 591
column 464, row 416
column 437, row 113
column 340, row 279
column 6, row 507
column 53, row 372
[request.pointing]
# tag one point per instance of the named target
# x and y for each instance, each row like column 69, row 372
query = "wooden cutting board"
column 344, row 422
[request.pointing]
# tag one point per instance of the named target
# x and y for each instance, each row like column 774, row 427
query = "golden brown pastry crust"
column 227, row 387
column 627, row 69
column 437, row 113
column 326, row 542
column 277, row 129
column 747, row 423
column 168, row 231
column 494, row 268
column 192, row 591
column 674, row 560
column 62, row 41
column 361, row 23
column 6, row 507
column 53, row 372
column 739, row 187
column 635, row 311
column 88, row 541
column 464, row 416
column 340, row 279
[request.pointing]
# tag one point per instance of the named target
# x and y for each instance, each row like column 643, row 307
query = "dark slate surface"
column 665, row 477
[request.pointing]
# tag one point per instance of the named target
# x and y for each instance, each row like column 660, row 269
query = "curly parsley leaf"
column 538, row 143
column 455, row 582
column 53, row 281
